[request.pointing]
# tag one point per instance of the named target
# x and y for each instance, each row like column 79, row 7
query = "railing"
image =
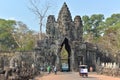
column 110, row 69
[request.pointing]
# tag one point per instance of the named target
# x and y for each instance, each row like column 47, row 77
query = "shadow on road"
column 88, row 78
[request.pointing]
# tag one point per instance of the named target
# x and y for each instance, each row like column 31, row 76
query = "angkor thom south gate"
column 69, row 33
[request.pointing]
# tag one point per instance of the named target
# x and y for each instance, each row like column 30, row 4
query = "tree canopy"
column 15, row 35
column 104, row 32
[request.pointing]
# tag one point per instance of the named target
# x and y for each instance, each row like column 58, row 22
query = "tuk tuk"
column 83, row 70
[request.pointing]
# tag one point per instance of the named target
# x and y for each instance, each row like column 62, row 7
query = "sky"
column 18, row 9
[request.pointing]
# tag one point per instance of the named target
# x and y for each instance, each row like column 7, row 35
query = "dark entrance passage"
column 64, row 59
column 65, row 55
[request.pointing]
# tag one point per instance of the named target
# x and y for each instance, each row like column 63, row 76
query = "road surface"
column 74, row 76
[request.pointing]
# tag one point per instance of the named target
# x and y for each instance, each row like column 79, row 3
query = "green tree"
column 115, row 18
column 64, row 53
column 6, row 39
column 87, row 24
column 23, row 37
column 110, row 41
column 96, row 19
column 93, row 26
column 107, row 32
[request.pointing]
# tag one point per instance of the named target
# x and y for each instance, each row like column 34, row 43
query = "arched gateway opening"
column 65, row 53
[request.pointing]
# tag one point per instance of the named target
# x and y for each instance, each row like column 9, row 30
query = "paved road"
column 74, row 76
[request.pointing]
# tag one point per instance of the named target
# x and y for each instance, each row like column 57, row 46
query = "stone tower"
column 64, row 26
column 69, row 33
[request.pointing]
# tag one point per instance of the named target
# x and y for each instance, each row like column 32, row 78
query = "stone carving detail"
column 78, row 31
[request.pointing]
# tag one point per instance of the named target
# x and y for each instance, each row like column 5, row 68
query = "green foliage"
column 87, row 24
column 6, row 28
column 64, row 53
column 104, row 32
column 23, row 37
column 93, row 25
column 115, row 18
column 96, row 20
column 15, row 36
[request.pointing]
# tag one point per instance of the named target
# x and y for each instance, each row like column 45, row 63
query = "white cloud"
column 9, row 18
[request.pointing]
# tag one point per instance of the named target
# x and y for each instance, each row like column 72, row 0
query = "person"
column 48, row 69
column 91, row 69
column 55, row 69
column 41, row 68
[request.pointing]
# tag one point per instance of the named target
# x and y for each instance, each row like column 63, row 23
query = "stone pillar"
column 12, row 63
column 1, row 63
column 58, row 63
column 72, row 61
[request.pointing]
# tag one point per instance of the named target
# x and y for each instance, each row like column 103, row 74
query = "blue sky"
column 18, row 9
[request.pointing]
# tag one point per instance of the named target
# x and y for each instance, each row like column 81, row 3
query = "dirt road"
column 74, row 76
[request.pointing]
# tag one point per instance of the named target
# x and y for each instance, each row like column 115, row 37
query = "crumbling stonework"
column 69, row 33
column 18, row 66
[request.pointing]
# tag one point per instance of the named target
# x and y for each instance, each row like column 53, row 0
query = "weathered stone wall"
column 18, row 65
column 6, row 57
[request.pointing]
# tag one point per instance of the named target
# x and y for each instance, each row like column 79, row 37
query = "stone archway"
column 66, row 45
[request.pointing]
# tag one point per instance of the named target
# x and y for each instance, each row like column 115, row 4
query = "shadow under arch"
column 65, row 43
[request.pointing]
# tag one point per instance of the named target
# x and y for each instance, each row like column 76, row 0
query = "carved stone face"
column 77, row 22
column 64, row 17
column 51, row 19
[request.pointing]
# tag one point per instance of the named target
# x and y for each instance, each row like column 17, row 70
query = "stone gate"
column 67, row 32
